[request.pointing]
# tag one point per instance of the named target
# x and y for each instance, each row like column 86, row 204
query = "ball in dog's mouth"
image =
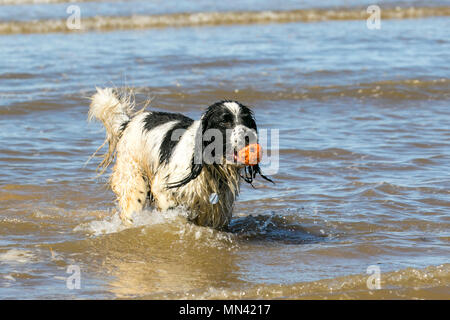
column 249, row 155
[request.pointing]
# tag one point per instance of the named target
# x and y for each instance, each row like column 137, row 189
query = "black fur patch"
column 155, row 119
column 246, row 118
column 123, row 126
column 168, row 145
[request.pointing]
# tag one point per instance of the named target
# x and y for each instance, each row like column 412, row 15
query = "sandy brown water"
column 364, row 150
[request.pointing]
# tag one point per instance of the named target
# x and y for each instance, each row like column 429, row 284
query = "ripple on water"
column 274, row 228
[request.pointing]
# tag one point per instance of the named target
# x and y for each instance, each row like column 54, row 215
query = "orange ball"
column 250, row 155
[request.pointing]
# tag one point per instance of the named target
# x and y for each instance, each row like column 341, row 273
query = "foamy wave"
column 403, row 89
column 408, row 89
column 18, row 2
column 114, row 224
column 174, row 220
column 408, row 283
column 17, row 256
column 100, row 23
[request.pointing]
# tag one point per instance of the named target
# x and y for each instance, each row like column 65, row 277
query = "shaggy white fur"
column 151, row 170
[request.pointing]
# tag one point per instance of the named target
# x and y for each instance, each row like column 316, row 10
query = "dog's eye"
column 227, row 118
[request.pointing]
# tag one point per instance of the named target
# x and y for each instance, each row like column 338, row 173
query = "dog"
column 167, row 160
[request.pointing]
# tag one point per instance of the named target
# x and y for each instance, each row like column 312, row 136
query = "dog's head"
column 227, row 135
column 228, row 127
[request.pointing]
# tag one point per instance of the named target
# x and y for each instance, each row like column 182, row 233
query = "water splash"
column 114, row 224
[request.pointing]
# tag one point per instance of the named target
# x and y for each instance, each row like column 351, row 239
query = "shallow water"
column 363, row 178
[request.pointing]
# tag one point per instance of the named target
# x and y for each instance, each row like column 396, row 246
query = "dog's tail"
column 114, row 109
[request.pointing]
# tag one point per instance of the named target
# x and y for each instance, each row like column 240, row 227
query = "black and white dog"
column 168, row 160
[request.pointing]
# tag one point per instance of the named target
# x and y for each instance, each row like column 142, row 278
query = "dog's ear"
column 202, row 141
column 196, row 169
column 196, row 162
column 205, row 124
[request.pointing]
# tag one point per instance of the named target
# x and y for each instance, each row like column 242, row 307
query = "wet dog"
column 168, row 160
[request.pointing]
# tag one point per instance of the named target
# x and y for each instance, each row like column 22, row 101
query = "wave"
column 398, row 90
column 16, row 256
column 328, row 153
column 103, row 23
column 15, row 75
column 410, row 283
column 18, row 2
column 406, row 89
column 41, row 105
column 402, row 89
